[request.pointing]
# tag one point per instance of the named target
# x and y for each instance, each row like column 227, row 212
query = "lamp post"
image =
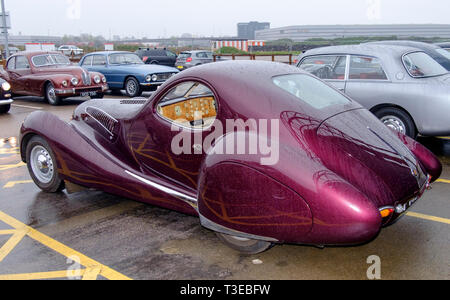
column 5, row 28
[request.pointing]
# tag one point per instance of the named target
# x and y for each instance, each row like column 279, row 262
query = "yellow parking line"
column 429, row 218
column 12, row 243
column 7, row 232
column 13, row 166
column 443, row 181
column 11, row 184
column 41, row 275
column 105, row 271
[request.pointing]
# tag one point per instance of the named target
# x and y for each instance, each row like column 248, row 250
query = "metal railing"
column 281, row 58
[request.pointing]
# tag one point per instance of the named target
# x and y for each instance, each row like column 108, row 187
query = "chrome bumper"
column 76, row 91
column 6, row 102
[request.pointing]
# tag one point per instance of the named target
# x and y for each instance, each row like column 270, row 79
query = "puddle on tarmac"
column 9, row 146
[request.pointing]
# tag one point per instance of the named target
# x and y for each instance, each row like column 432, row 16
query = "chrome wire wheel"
column 131, row 87
column 394, row 123
column 51, row 96
column 42, row 164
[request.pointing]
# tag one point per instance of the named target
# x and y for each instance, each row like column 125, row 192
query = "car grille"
column 86, row 78
column 164, row 76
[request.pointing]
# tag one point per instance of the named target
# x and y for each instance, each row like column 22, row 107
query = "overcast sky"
column 165, row 18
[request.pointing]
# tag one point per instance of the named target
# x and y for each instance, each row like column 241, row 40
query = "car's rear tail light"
column 144, row 59
column 189, row 59
column 295, row 61
column 386, row 214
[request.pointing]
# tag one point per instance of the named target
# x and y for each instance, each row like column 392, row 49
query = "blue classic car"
column 125, row 70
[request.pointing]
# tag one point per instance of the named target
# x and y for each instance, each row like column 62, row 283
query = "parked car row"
column 125, row 70
column 405, row 84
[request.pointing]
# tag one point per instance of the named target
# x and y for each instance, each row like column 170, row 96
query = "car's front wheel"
column 397, row 120
column 50, row 95
column 41, row 164
column 132, row 87
column 243, row 245
column 5, row 108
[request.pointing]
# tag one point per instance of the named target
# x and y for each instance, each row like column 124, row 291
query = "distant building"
column 21, row 40
column 247, row 30
column 241, row 44
column 305, row 32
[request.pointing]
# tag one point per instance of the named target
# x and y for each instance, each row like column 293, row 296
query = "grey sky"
column 209, row 17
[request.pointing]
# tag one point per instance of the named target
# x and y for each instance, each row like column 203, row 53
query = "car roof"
column 415, row 44
column 195, row 51
column 109, row 52
column 377, row 50
column 242, row 84
column 34, row 53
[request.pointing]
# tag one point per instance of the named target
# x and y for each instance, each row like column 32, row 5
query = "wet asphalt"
column 140, row 241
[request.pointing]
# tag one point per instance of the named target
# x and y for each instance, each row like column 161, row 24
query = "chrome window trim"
column 346, row 65
column 368, row 80
column 418, row 77
column 84, row 59
column 15, row 63
column 176, row 100
column 49, row 55
column 110, row 54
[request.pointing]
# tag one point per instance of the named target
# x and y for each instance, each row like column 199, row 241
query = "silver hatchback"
column 189, row 59
column 403, row 86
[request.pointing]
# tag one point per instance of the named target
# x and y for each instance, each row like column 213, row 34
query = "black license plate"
column 88, row 94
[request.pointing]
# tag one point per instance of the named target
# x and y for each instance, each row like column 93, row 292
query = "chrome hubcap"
column 42, row 164
column 131, row 87
column 394, row 123
column 51, row 94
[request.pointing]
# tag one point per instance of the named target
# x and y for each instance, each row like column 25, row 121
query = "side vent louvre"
column 103, row 119
column 133, row 101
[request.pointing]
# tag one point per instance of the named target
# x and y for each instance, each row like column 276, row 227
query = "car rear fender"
column 428, row 160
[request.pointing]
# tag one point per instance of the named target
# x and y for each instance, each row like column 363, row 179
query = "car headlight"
column 6, row 86
column 74, row 81
column 155, row 77
column 64, row 83
column 104, row 79
column 148, row 78
column 97, row 79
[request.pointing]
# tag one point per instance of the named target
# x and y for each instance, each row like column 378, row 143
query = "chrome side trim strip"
column 221, row 229
column 184, row 197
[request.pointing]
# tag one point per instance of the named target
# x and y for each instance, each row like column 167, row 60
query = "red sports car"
column 262, row 153
column 51, row 75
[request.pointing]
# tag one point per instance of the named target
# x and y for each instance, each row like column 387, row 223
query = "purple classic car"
column 262, row 153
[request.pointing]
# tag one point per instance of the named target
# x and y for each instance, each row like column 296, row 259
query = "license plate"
column 405, row 207
column 88, row 94
column 180, row 67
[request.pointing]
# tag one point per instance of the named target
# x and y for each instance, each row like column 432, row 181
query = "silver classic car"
column 403, row 86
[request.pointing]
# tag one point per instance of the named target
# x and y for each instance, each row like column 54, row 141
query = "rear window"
column 184, row 55
column 310, row 90
column 420, row 64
